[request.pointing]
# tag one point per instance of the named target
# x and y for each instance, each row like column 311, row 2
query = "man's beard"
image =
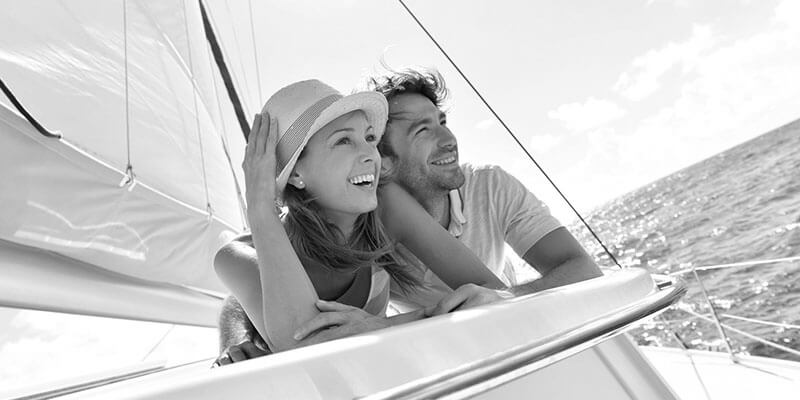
column 426, row 182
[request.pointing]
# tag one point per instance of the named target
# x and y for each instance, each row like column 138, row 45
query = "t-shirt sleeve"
column 526, row 218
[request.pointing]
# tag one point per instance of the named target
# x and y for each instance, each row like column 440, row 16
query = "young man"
column 484, row 207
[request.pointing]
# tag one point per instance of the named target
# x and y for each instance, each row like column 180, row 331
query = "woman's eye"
column 371, row 138
column 343, row 140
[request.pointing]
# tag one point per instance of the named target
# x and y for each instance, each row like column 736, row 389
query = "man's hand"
column 240, row 352
column 467, row 296
column 336, row 321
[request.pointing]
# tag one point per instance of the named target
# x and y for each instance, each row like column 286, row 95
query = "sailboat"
column 121, row 132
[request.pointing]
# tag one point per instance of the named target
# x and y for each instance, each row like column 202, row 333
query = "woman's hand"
column 259, row 164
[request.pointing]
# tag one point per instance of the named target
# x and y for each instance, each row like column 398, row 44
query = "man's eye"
column 423, row 130
column 443, row 122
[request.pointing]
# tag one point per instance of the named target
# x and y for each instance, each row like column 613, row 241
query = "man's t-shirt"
column 491, row 209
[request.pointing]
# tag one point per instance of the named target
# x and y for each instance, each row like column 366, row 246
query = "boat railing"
column 475, row 378
column 714, row 316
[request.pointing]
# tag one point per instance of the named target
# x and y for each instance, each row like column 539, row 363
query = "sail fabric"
column 173, row 125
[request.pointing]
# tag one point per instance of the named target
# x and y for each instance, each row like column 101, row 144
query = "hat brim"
column 372, row 103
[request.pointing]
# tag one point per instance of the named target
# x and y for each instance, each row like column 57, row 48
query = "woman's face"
column 339, row 166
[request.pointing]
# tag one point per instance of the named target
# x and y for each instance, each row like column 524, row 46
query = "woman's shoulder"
column 240, row 246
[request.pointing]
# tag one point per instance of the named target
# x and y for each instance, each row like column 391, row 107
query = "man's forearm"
column 234, row 326
column 573, row 270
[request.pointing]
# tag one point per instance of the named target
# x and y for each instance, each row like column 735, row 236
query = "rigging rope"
column 474, row 89
column 224, row 71
column 44, row 131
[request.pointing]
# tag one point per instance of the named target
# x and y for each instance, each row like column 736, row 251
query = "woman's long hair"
column 313, row 237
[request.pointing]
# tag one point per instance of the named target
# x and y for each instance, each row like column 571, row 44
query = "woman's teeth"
column 445, row 161
column 365, row 179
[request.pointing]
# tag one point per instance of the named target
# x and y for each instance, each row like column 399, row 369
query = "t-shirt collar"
column 457, row 219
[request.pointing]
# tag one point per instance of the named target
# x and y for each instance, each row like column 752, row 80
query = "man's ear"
column 296, row 180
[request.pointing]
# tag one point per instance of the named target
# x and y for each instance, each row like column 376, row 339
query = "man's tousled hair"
column 427, row 82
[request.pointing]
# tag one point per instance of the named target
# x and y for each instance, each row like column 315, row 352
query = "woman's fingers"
column 321, row 321
column 324, row 306
column 251, row 138
column 261, row 140
column 272, row 134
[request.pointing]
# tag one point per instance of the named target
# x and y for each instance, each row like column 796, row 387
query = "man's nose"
column 445, row 137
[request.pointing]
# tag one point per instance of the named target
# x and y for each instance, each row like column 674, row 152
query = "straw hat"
column 302, row 108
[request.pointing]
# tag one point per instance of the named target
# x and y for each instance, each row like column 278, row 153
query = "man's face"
column 427, row 153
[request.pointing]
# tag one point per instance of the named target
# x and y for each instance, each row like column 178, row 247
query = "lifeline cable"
column 509, row 132
column 44, row 131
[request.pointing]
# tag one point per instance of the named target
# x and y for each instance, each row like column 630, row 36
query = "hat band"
column 291, row 141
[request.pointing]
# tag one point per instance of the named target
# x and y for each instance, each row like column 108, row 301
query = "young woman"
column 330, row 244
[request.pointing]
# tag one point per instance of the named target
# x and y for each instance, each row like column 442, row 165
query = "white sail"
column 129, row 83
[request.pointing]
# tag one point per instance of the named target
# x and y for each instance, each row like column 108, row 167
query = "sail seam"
column 255, row 51
column 82, row 153
column 196, row 112
column 225, row 148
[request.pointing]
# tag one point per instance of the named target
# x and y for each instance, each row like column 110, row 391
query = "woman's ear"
column 296, row 180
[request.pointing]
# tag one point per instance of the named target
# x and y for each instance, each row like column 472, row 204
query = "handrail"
column 474, row 378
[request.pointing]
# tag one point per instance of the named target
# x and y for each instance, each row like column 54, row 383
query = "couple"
column 378, row 207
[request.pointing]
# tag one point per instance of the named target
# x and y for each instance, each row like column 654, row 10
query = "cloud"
column 591, row 114
column 737, row 90
column 644, row 76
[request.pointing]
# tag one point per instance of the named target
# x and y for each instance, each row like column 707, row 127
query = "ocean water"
column 740, row 205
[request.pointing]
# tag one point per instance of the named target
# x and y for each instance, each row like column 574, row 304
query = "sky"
column 607, row 96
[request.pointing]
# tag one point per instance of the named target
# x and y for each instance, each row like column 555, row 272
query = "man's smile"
column 450, row 159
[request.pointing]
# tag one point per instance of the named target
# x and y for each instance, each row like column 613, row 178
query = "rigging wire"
column 736, row 264
column 197, row 113
column 741, row 332
column 129, row 177
column 474, row 89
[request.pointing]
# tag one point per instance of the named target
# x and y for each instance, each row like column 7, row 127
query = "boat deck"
column 750, row 378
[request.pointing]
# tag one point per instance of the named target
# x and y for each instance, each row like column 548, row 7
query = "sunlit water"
column 740, row 205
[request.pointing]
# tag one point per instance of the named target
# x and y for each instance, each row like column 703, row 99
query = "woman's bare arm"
column 269, row 281
column 409, row 223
